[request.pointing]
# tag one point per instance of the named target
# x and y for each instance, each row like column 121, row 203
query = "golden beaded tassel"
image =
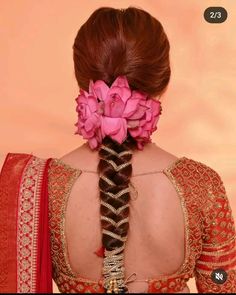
column 113, row 270
column 113, row 287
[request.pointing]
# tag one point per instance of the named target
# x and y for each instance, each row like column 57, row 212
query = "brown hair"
column 114, row 42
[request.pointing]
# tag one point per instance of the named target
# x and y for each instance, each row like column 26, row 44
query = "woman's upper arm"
column 215, row 268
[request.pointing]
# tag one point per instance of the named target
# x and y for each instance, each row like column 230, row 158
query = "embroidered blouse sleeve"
column 218, row 248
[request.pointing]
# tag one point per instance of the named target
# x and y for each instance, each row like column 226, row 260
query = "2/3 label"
column 215, row 14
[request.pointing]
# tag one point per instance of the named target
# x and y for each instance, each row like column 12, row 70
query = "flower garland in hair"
column 114, row 112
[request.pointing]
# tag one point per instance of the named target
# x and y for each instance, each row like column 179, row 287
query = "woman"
column 124, row 214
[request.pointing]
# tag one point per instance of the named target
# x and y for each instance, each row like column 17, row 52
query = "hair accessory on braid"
column 114, row 210
column 114, row 112
column 117, row 195
column 107, row 180
column 116, row 224
column 118, row 237
column 115, row 153
column 113, row 264
column 118, row 167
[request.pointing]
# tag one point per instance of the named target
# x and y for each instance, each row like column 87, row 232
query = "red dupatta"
column 25, row 262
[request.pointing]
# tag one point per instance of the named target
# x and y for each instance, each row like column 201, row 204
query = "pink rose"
column 89, row 120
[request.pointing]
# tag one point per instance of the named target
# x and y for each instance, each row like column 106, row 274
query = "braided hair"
column 115, row 169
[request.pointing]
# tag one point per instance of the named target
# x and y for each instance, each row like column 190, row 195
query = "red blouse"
column 209, row 240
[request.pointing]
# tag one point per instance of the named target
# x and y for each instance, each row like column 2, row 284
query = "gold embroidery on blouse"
column 217, row 263
column 219, row 252
column 180, row 193
column 60, row 181
column 219, row 245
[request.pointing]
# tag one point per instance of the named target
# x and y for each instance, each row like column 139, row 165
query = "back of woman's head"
column 128, row 42
column 111, row 43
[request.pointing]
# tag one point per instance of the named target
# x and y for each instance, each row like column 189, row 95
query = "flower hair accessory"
column 114, row 112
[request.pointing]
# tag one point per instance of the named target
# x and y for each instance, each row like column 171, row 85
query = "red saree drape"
column 25, row 262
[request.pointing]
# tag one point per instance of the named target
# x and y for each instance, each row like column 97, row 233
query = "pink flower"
column 89, row 120
column 116, row 128
column 113, row 111
column 147, row 124
column 120, row 103
column 114, row 101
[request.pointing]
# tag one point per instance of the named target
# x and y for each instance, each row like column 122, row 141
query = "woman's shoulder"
column 205, row 170
column 198, row 175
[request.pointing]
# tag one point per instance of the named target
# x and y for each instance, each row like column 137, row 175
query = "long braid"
column 115, row 170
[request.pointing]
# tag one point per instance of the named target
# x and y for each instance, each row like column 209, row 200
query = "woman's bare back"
column 155, row 244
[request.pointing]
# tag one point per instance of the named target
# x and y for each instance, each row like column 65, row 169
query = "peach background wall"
column 38, row 87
